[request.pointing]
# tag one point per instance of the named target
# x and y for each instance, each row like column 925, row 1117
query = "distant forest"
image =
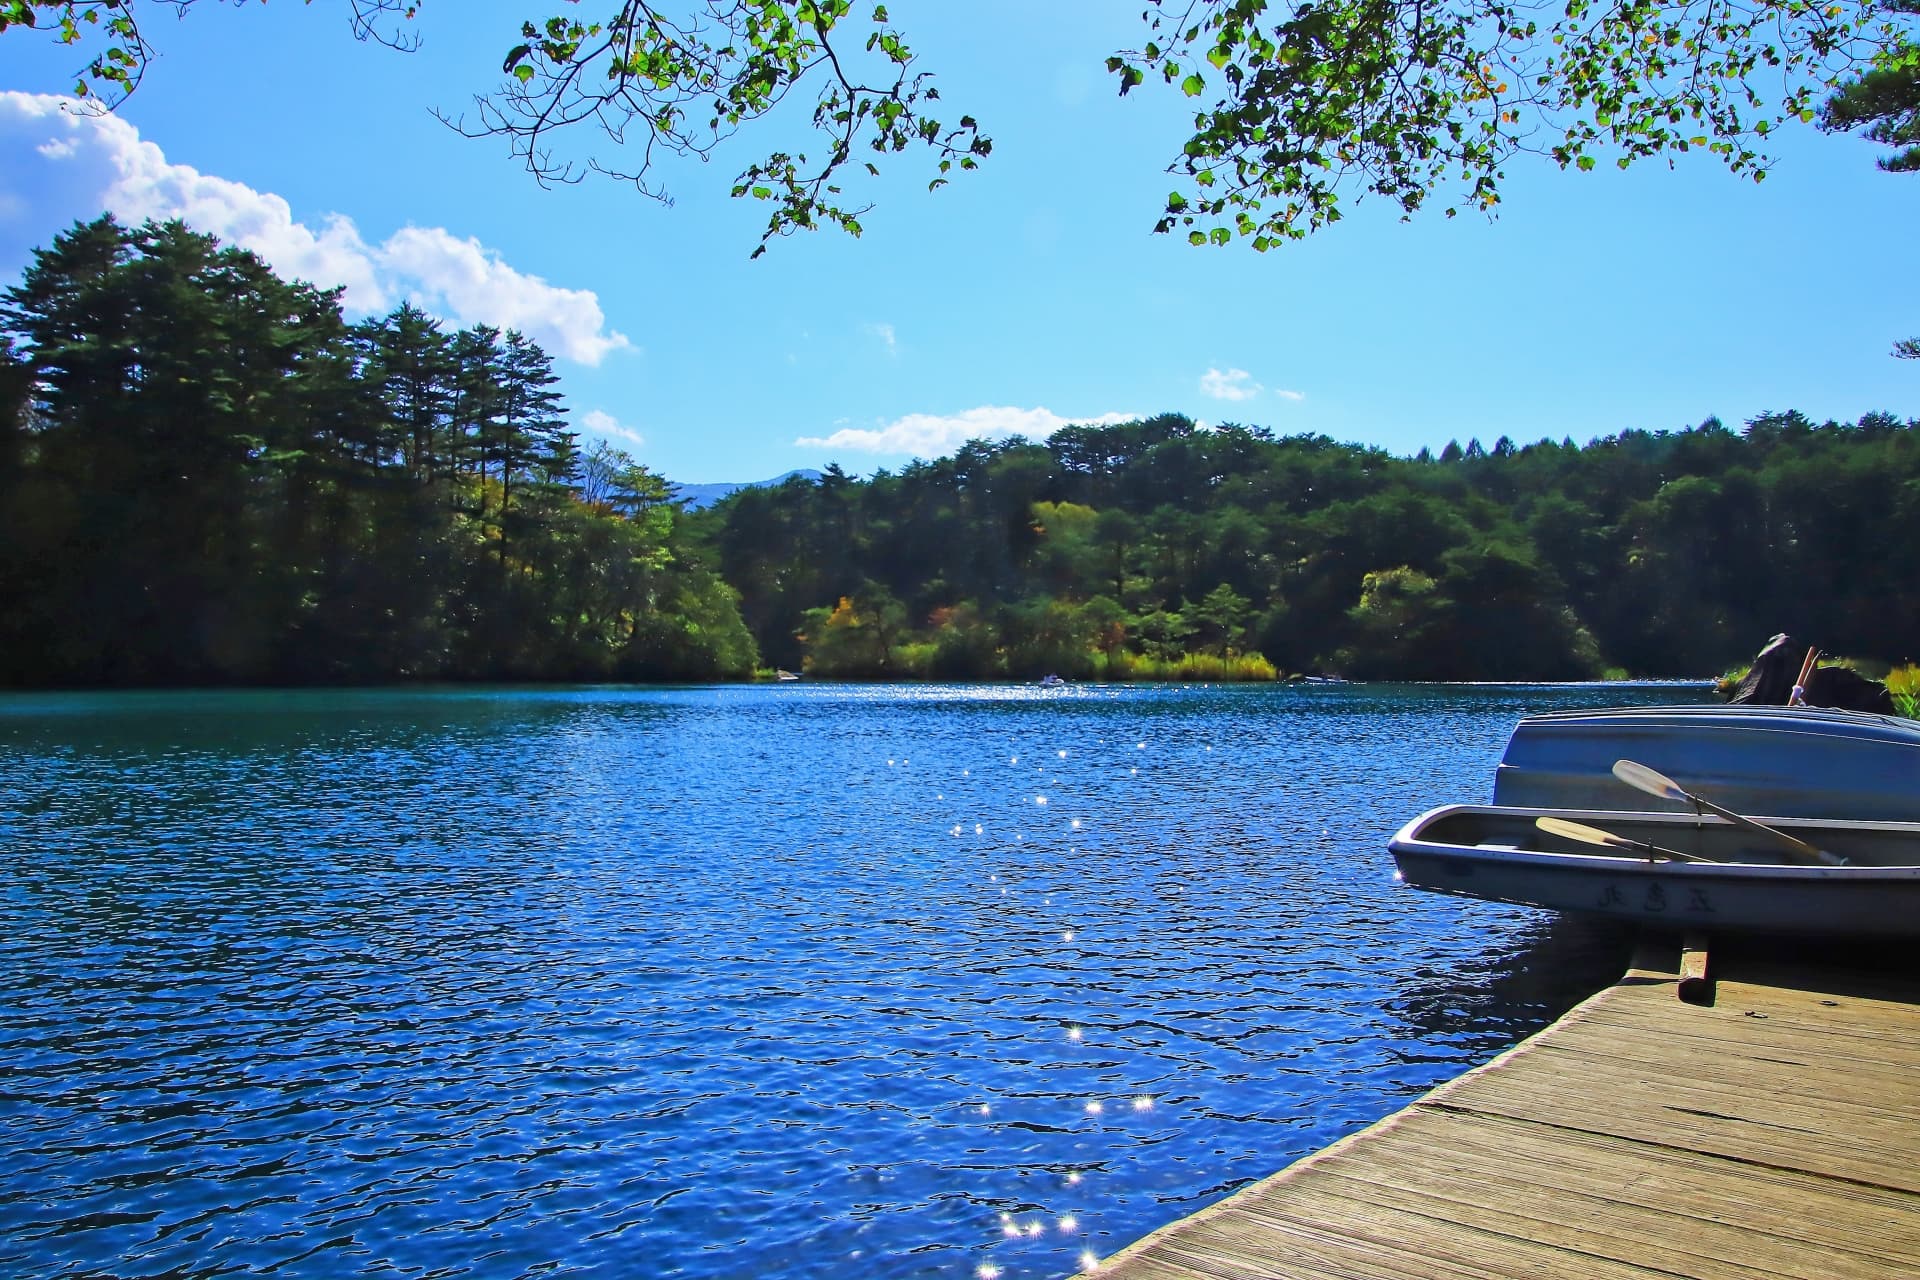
column 207, row 476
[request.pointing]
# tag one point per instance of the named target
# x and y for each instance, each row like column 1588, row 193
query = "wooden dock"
column 1772, row 1133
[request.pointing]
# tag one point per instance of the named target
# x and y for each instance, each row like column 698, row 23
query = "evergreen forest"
column 208, row 476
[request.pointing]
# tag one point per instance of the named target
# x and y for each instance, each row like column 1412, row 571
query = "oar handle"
column 1798, row 698
column 1779, row 837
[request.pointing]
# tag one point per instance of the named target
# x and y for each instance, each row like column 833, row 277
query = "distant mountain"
column 705, row 495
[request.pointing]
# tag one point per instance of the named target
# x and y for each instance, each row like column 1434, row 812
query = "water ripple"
column 797, row 981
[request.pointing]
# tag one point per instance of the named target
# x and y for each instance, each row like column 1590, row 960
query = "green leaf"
column 1193, row 86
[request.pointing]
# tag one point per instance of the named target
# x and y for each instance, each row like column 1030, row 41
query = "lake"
column 795, row 980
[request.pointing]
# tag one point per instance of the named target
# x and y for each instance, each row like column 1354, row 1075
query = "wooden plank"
column 1822, row 1089
column 1716, row 1046
column 1677, row 1219
column 1771, row 1134
column 1875, row 1032
column 1792, row 1049
column 1437, row 1145
column 1440, row 1244
column 1277, row 1244
column 1888, row 983
column 1725, row 1126
column 1818, row 1102
column 1695, row 985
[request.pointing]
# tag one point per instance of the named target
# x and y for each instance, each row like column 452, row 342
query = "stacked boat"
column 1790, row 820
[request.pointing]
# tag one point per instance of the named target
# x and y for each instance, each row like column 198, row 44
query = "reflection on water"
column 798, row 980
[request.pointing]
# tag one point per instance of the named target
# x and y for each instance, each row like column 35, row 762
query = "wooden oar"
column 1655, row 783
column 1593, row 835
column 1798, row 698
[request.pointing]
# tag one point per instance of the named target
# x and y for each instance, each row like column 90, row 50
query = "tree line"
column 1162, row 548
column 208, row 476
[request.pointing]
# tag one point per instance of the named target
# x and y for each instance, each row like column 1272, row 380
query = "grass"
column 1208, row 667
column 1903, row 682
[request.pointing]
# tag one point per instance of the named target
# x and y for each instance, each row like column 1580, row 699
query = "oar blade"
column 1585, row 834
column 1651, row 781
column 1582, row 832
column 1655, row 783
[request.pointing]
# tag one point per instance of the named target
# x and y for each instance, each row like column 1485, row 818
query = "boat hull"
column 1498, row 854
column 1805, row 761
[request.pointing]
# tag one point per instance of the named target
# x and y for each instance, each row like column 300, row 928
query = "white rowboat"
column 1742, row 883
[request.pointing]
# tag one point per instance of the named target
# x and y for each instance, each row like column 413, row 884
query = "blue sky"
column 1023, row 297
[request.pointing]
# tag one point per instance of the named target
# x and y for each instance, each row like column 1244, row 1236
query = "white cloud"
column 1295, row 396
column 927, row 435
column 466, row 279
column 598, row 422
column 885, row 333
column 1230, row 384
column 104, row 158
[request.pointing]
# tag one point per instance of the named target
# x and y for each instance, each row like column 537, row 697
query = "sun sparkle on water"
column 993, row 972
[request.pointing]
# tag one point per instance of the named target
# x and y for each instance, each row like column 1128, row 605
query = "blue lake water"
column 798, row 980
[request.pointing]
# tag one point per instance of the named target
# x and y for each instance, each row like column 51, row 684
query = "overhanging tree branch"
column 114, row 72
column 1406, row 98
column 1302, row 105
column 683, row 88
